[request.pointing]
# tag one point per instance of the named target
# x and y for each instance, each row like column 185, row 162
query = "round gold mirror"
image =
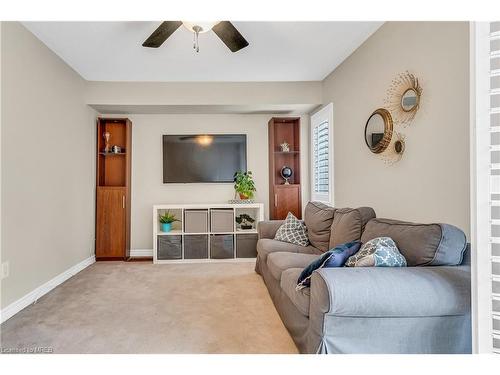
column 378, row 130
column 410, row 100
column 403, row 98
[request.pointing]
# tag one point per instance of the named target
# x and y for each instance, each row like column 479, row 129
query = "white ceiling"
column 278, row 51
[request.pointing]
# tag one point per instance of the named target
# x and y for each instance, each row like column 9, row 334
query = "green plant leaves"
column 244, row 184
column 167, row 218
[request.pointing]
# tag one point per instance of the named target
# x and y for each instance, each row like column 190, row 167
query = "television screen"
column 203, row 158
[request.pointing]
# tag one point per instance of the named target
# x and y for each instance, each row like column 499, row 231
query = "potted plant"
column 166, row 221
column 244, row 185
column 245, row 221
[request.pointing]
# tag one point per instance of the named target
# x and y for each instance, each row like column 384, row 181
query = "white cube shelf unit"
column 206, row 233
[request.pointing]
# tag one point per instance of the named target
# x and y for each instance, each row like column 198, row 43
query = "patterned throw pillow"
column 292, row 231
column 379, row 252
column 335, row 257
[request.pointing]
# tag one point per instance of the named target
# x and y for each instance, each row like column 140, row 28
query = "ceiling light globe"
column 205, row 25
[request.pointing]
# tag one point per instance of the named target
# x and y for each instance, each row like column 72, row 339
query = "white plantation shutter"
column 494, row 125
column 322, row 155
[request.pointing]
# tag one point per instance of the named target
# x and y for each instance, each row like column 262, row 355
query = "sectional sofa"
column 422, row 308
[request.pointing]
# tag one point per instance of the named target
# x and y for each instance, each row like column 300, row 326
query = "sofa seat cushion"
column 266, row 246
column 421, row 244
column 300, row 298
column 281, row 261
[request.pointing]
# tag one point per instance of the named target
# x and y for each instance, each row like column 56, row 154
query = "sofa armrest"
column 267, row 229
column 392, row 292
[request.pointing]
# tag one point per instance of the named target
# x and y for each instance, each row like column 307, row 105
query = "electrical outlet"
column 5, row 270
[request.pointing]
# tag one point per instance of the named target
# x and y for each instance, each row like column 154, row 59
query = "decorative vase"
column 107, row 136
column 166, row 227
column 243, row 196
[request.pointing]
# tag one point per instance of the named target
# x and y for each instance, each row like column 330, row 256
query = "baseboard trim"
column 34, row 295
column 141, row 253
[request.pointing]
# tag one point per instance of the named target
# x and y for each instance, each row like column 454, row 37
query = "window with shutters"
column 322, row 155
column 494, row 125
column 485, row 193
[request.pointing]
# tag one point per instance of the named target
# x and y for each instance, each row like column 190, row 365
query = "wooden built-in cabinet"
column 284, row 198
column 113, row 189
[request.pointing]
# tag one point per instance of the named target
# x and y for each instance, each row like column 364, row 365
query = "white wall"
column 47, row 164
column 147, row 181
column 431, row 182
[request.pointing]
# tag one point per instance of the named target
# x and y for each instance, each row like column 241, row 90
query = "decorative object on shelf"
column 244, row 184
column 116, row 149
column 107, row 136
column 378, row 130
column 286, row 173
column 285, row 147
column 395, row 151
column 403, row 98
column 245, row 221
column 166, row 221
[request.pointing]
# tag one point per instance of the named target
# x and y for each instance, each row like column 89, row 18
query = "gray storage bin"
column 246, row 246
column 196, row 221
column 196, row 246
column 221, row 246
column 169, row 247
column 221, row 220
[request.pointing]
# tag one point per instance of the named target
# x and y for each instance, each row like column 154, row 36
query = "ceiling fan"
column 225, row 30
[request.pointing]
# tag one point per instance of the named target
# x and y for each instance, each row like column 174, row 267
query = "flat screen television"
column 203, row 157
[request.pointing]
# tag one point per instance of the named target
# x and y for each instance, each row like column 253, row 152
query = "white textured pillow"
column 292, row 231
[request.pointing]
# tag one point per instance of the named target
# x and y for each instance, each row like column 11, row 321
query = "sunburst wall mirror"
column 403, row 98
column 395, row 150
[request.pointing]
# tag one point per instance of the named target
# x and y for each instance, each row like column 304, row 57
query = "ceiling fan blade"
column 230, row 36
column 161, row 34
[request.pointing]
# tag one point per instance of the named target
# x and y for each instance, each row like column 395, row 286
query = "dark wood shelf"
column 113, row 198
column 284, row 198
column 112, row 153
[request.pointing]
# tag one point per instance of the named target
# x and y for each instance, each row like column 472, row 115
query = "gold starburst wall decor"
column 395, row 150
column 403, row 98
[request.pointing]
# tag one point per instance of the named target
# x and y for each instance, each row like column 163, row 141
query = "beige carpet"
column 118, row 307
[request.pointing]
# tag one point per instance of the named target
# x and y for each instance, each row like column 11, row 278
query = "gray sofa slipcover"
column 423, row 308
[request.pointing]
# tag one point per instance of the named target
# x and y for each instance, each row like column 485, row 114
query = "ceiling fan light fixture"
column 199, row 26
column 224, row 30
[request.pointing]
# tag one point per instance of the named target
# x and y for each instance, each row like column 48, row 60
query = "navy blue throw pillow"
column 335, row 257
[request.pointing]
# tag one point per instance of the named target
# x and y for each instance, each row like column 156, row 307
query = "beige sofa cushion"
column 421, row 244
column 318, row 218
column 348, row 224
column 266, row 246
column 281, row 261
